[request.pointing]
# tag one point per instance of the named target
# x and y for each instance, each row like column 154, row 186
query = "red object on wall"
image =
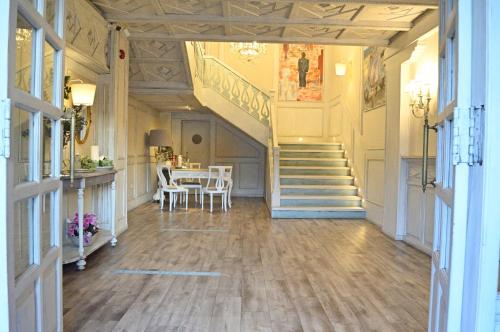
column 122, row 54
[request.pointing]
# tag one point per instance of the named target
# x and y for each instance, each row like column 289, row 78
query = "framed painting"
column 373, row 78
column 301, row 72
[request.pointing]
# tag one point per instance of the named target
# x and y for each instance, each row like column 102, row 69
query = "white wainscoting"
column 416, row 216
column 374, row 185
column 229, row 146
column 141, row 172
column 308, row 120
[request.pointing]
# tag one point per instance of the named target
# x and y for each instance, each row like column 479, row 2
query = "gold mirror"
column 86, row 122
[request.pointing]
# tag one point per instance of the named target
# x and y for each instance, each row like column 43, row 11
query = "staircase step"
column 311, row 200
column 304, row 161
column 297, row 212
column 312, row 170
column 311, row 153
column 316, row 180
column 345, row 190
column 312, row 146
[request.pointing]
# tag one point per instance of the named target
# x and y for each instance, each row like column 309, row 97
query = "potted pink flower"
column 90, row 228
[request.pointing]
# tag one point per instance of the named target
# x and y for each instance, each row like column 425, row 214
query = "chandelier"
column 248, row 51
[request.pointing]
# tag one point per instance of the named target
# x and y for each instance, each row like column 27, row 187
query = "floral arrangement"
column 90, row 227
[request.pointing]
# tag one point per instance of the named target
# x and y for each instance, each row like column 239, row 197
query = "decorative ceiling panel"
column 158, row 29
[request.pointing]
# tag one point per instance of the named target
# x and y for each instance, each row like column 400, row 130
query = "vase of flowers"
column 90, row 228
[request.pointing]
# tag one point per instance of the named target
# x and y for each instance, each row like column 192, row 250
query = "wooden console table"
column 81, row 181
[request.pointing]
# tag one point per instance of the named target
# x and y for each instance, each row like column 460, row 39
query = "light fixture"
column 248, row 51
column 83, row 94
column 23, row 34
column 163, row 143
column 340, row 69
column 419, row 90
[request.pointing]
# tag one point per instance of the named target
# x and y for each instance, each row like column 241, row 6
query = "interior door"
column 31, row 71
column 452, row 166
column 196, row 141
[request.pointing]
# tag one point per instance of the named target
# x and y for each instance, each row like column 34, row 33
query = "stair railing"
column 232, row 86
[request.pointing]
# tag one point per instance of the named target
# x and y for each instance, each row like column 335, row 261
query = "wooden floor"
column 289, row 275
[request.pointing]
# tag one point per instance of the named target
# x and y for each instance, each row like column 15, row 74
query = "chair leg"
column 162, row 198
column 170, row 201
column 196, row 195
column 187, row 199
column 222, row 202
column 211, row 202
column 201, row 199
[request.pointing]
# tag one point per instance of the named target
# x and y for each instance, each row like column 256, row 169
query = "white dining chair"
column 193, row 183
column 219, row 182
column 169, row 186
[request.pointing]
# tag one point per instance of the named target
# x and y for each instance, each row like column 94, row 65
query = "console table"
column 81, row 181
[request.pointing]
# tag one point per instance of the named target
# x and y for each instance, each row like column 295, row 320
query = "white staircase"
column 316, row 182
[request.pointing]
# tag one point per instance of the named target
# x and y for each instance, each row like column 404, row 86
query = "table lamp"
column 161, row 139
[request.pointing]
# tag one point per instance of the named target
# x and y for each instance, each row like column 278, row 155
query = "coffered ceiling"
column 159, row 27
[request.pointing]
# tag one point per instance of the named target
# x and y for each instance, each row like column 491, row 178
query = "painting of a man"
column 301, row 72
column 303, row 65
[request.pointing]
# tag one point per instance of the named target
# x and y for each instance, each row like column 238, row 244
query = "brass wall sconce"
column 420, row 100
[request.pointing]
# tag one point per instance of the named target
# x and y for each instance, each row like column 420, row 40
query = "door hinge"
column 468, row 134
column 5, row 116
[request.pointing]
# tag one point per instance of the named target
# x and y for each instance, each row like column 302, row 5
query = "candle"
column 94, row 152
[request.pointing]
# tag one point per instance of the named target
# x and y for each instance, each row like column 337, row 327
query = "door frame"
column 31, row 281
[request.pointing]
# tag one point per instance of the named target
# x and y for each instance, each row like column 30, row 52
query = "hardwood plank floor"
column 282, row 275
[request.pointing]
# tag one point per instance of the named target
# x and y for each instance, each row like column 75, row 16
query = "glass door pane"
column 22, row 145
column 23, row 235
column 24, row 54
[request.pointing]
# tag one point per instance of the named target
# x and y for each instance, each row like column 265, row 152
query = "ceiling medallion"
column 248, row 51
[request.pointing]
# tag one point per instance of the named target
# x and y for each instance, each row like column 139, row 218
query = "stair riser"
column 319, row 214
column 329, row 182
column 311, row 147
column 320, row 192
column 302, row 171
column 341, row 163
column 318, row 202
column 309, row 154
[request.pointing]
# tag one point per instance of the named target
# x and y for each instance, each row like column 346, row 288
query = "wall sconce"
column 420, row 109
column 340, row 69
column 418, row 92
column 82, row 95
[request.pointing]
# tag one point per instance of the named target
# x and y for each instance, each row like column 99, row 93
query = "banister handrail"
column 231, row 85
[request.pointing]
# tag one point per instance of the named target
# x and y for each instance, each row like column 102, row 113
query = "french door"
column 452, row 173
column 31, row 96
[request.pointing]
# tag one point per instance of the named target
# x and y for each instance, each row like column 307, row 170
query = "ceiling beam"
column 263, row 39
column 258, row 20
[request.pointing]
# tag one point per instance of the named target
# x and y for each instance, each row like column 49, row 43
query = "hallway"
column 303, row 275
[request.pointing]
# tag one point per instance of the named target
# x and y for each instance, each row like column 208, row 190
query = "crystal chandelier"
column 248, row 50
column 22, row 34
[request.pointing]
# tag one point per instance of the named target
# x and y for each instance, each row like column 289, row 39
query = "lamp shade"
column 83, row 94
column 159, row 137
column 340, row 69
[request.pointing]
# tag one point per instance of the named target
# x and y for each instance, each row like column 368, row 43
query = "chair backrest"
column 221, row 175
column 163, row 180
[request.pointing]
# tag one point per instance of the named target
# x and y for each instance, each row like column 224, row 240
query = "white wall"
column 362, row 132
column 228, row 146
column 141, row 172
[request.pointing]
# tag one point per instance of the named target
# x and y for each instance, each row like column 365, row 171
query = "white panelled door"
column 452, row 166
column 31, row 96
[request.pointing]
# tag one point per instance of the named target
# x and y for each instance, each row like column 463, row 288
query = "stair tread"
column 319, row 208
column 315, row 186
column 322, row 197
column 314, row 176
